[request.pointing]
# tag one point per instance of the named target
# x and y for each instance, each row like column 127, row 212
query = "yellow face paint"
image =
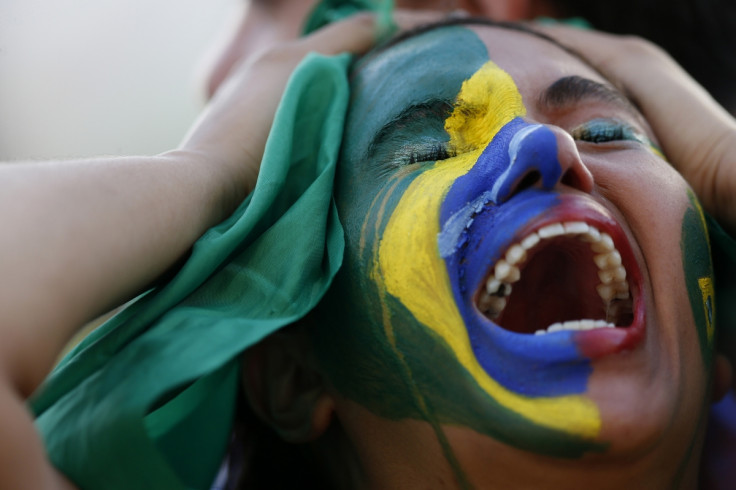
column 487, row 101
column 708, row 294
column 409, row 265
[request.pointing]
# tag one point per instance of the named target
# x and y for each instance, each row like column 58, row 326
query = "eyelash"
column 435, row 152
column 594, row 131
column 605, row 131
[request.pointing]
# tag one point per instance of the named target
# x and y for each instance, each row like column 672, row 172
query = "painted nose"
column 543, row 157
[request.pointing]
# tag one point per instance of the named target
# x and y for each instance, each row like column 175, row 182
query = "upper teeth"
column 612, row 274
column 576, row 325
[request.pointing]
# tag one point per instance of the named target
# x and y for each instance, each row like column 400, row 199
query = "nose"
column 541, row 156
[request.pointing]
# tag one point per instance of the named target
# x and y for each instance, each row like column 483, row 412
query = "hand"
column 696, row 134
column 234, row 128
column 232, row 131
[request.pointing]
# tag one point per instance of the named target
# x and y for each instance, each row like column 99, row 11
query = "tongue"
column 557, row 284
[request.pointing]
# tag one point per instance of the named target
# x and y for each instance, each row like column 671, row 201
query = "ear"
column 285, row 388
column 722, row 377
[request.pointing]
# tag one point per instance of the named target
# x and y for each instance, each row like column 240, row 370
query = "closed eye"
column 416, row 135
column 432, row 153
column 607, row 130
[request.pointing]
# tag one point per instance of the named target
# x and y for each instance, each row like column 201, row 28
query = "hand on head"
column 234, row 127
column 695, row 133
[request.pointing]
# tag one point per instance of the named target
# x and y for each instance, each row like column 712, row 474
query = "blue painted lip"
column 487, row 210
column 549, row 365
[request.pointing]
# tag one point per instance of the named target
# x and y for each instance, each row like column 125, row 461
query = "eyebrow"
column 568, row 91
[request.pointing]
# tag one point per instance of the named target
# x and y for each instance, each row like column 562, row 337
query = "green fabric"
column 147, row 400
column 328, row 11
column 578, row 22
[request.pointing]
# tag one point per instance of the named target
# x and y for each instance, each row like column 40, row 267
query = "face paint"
column 415, row 234
column 697, row 262
column 410, row 268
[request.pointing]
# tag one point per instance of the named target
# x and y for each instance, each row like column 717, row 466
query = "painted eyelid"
column 604, row 130
column 425, row 153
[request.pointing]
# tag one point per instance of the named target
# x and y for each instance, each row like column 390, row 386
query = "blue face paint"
column 532, row 151
column 531, row 365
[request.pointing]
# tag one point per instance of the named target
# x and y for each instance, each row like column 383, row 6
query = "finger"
column 355, row 34
column 410, row 19
column 359, row 33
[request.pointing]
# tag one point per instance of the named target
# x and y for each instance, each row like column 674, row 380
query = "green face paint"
column 697, row 263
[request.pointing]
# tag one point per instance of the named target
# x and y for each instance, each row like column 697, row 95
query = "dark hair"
column 699, row 34
column 270, row 463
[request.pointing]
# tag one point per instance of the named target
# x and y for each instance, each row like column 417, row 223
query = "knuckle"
column 363, row 19
column 639, row 45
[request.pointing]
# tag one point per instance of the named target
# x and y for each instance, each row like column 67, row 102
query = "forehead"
column 432, row 66
column 532, row 61
column 450, row 50
column 428, row 67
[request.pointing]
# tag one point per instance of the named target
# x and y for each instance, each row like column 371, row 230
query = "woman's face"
column 524, row 274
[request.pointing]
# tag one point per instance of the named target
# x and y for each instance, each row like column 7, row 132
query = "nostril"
column 529, row 180
column 537, row 156
column 573, row 179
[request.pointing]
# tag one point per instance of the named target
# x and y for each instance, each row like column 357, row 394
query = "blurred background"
column 104, row 77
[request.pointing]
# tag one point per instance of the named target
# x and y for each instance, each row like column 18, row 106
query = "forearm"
column 80, row 237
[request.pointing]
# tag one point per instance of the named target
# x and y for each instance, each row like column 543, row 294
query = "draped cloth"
column 147, row 399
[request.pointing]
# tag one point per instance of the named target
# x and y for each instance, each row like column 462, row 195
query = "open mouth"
column 562, row 276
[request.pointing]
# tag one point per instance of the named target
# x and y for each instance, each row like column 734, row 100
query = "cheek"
column 651, row 197
column 670, row 223
column 669, row 226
